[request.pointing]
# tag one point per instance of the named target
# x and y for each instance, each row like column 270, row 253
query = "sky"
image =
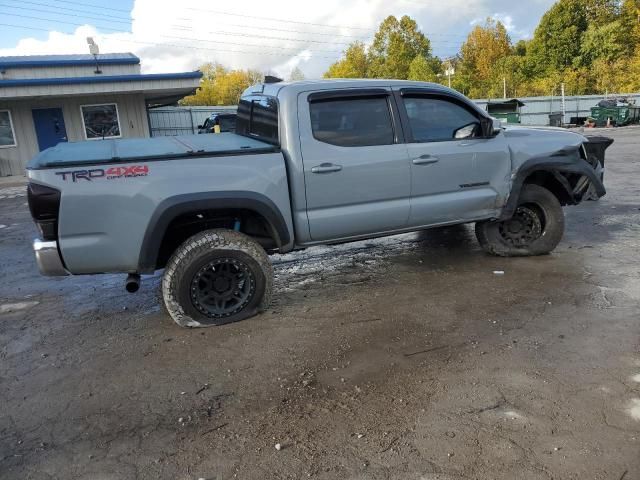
column 271, row 36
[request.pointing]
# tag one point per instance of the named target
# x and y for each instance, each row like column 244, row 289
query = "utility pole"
column 564, row 105
column 504, row 87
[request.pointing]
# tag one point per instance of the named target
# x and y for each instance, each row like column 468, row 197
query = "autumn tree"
column 485, row 46
column 590, row 46
column 221, row 86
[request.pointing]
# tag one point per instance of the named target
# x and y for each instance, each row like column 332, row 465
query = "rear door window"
column 437, row 120
column 352, row 122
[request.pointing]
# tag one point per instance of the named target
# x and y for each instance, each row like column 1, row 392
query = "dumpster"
column 615, row 112
column 507, row 110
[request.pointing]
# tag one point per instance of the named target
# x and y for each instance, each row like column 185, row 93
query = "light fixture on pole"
column 450, row 72
column 95, row 51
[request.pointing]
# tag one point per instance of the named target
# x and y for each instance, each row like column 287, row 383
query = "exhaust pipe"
column 132, row 284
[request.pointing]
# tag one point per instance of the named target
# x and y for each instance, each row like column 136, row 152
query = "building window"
column 101, row 121
column 7, row 136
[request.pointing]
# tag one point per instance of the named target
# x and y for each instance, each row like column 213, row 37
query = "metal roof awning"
column 34, row 61
column 152, row 85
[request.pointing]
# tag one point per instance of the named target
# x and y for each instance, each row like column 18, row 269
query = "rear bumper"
column 48, row 258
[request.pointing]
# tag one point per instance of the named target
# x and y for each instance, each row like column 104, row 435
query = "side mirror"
column 497, row 126
column 490, row 127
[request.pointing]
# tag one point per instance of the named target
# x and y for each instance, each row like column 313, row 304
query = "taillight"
column 44, row 203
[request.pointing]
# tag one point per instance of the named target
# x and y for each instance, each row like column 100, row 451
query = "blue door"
column 50, row 128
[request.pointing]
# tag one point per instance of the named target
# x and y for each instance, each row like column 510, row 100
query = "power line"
column 218, row 32
column 189, row 47
column 128, row 20
column 225, row 13
column 65, row 14
column 92, row 5
column 271, row 19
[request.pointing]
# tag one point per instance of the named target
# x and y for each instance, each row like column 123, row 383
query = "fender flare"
column 564, row 161
column 172, row 207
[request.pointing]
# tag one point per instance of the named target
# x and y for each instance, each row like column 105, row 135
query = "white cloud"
column 174, row 36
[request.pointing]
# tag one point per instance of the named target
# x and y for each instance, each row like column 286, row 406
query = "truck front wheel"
column 536, row 227
column 217, row 277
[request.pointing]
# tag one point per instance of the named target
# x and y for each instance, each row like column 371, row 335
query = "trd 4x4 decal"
column 110, row 173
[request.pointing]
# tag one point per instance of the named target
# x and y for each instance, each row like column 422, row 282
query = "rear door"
column 356, row 169
column 457, row 174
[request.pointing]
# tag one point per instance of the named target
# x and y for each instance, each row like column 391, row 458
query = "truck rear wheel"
column 217, row 277
column 536, row 227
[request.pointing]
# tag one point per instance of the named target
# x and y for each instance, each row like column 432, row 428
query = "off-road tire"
column 551, row 216
column 198, row 251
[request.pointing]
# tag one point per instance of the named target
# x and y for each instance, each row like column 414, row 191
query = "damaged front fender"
column 568, row 173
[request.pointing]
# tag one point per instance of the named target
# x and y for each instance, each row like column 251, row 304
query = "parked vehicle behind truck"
column 311, row 163
column 218, row 123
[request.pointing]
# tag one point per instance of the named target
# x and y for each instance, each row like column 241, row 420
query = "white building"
column 49, row 99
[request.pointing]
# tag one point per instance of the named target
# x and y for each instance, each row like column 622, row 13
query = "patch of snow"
column 634, row 409
column 12, row 192
column 14, row 307
column 513, row 415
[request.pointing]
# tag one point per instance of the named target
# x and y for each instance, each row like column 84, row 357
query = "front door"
column 50, row 128
column 357, row 174
column 456, row 174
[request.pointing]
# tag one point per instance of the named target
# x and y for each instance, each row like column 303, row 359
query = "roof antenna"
column 95, row 51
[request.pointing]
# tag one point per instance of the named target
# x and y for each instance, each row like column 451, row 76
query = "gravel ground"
column 399, row 358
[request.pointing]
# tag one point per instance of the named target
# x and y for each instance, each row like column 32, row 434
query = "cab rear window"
column 258, row 118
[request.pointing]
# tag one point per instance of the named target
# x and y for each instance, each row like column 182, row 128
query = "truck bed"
column 139, row 149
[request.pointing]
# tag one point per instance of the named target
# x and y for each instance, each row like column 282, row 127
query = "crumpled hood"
column 530, row 142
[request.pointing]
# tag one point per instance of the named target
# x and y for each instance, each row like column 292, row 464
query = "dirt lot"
column 401, row 358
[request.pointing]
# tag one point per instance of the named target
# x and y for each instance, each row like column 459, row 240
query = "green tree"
column 605, row 42
column 395, row 45
column 556, row 42
column 601, row 12
column 424, row 69
column 355, row 63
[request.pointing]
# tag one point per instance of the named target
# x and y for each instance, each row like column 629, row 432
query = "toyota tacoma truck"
column 310, row 163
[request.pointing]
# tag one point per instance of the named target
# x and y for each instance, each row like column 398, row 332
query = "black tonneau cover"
column 95, row 152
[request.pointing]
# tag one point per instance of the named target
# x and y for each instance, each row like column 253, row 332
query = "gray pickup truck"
column 314, row 162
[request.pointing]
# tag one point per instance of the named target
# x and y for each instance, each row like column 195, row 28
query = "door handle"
column 326, row 168
column 425, row 160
